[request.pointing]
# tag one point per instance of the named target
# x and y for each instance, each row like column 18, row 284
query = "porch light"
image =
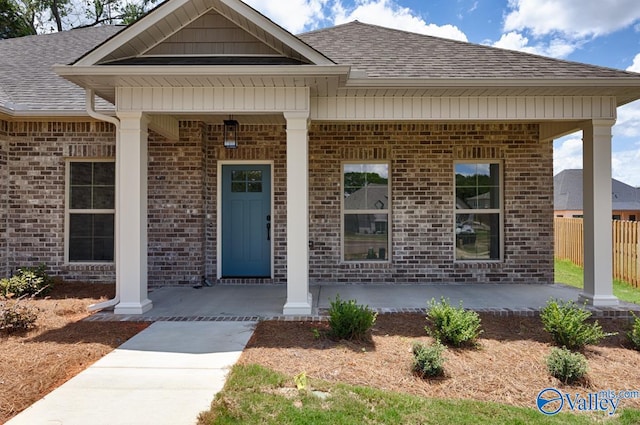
column 230, row 134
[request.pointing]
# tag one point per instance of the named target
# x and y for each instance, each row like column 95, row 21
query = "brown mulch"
column 34, row 363
column 508, row 366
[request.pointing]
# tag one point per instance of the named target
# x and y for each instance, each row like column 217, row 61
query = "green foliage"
column 254, row 395
column 567, row 324
column 27, row 281
column 634, row 332
column 17, row 317
column 566, row 365
column 348, row 320
column 427, row 359
column 452, row 326
column 12, row 22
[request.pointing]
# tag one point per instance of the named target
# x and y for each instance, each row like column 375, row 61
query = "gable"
column 203, row 29
column 212, row 34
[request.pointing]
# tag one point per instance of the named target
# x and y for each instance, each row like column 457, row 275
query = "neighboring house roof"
column 567, row 193
column 374, row 196
column 29, row 83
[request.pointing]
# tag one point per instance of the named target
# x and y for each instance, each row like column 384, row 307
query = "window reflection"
column 366, row 212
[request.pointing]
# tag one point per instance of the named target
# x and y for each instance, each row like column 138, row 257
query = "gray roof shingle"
column 29, row 85
column 26, row 77
column 567, row 193
column 389, row 53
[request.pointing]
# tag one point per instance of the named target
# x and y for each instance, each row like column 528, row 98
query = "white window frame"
column 343, row 212
column 499, row 211
column 69, row 211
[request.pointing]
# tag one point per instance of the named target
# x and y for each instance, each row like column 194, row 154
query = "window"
column 478, row 226
column 90, row 211
column 366, row 212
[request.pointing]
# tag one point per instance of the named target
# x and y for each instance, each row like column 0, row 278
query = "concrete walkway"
column 165, row 375
column 257, row 302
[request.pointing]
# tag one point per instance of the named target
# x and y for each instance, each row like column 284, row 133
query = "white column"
column 131, row 214
column 596, row 188
column 298, row 295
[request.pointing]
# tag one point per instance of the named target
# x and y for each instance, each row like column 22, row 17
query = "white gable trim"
column 183, row 12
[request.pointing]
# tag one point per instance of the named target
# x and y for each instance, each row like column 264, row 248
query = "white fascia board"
column 211, row 70
column 131, row 32
column 52, row 113
column 374, row 82
column 278, row 32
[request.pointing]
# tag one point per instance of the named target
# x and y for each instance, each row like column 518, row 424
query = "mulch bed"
column 508, row 366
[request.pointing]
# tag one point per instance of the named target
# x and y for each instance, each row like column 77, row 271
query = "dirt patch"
column 34, row 363
column 508, row 365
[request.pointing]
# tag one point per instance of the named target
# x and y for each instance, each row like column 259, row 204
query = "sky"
column 598, row 32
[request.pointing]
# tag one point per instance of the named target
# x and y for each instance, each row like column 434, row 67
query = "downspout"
column 91, row 110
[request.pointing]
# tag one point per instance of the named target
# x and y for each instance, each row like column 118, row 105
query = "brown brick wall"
column 421, row 158
column 36, row 153
column 183, row 198
column 176, row 207
column 4, row 263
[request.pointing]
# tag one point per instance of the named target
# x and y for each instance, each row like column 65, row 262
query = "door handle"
column 269, row 227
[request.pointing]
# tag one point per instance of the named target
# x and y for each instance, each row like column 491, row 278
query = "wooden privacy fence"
column 626, row 239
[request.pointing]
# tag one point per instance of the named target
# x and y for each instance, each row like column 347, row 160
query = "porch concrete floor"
column 255, row 302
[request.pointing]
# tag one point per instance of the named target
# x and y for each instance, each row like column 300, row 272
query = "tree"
column 12, row 22
column 44, row 16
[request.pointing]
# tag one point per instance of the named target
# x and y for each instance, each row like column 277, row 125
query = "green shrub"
column 566, row 365
column 634, row 333
column 452, row 326
column 347, row 320
column 17, row 317
column 566, row 322
column 26, row 281
column 427, row 359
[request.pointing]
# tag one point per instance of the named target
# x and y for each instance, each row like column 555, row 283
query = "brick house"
column 364, row 155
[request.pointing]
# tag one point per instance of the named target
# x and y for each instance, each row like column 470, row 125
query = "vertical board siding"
column 213, row 99
column 469, row 108
column 569, row 245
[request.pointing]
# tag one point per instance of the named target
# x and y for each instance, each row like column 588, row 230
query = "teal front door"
column 246, row 221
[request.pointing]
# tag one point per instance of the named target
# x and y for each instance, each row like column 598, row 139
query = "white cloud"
column 628, row 122
column 294, row 15
column 303, row 15
column 389, row 14
column 625, row 159
column 567, row 153
column 626, row 165
column 573, row 18
column 635, row 67
column 555, row 47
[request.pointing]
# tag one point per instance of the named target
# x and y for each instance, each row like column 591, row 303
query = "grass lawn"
column 254, row 394
column 570, row 274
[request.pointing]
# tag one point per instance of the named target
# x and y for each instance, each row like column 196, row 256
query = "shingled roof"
column 29, row 86
column 390, row 53
column 27, row 82
column 567, row 193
